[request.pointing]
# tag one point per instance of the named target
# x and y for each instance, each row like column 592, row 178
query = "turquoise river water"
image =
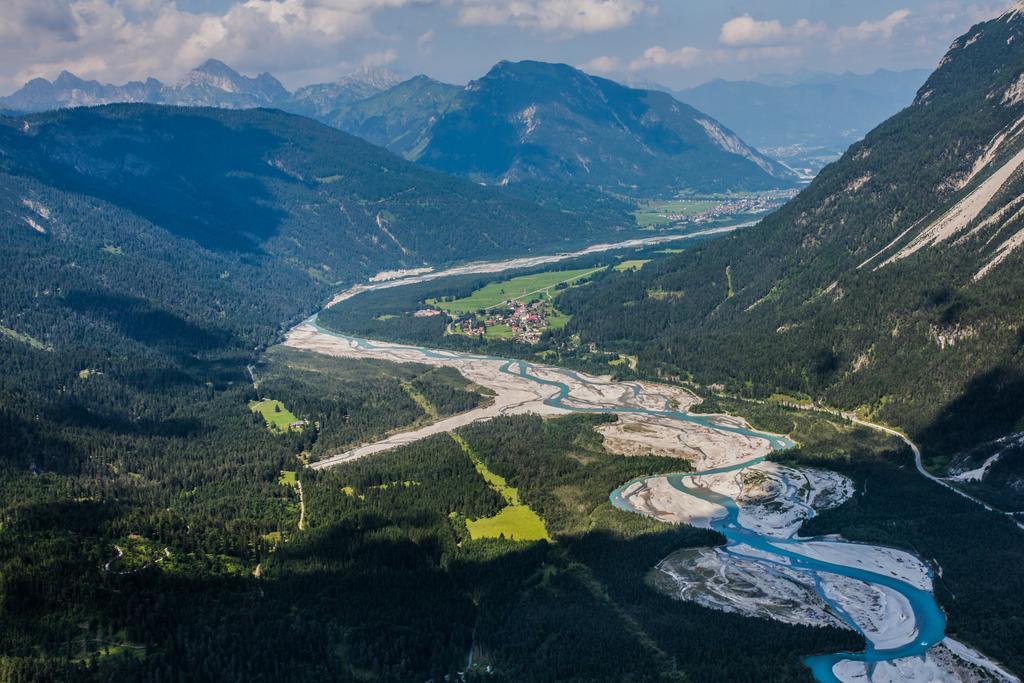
column 931, row 623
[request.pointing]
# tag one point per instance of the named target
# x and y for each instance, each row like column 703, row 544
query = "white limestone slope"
column 963, row 213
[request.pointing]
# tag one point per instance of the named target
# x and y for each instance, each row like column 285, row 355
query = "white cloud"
column 552, row 16
column 658, row 56
column 745, row 31
column 604, row 64
column 382, row 58
column 425, row 42
column 870, row 30
column 118, row 40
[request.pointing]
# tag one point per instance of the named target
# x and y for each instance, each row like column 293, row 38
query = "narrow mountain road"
column 924, row 472
column 120, row 554
column 302, row 506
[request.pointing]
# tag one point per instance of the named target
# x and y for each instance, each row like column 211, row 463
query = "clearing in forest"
column 516, row 521
column 634, row 264
column 277, row 417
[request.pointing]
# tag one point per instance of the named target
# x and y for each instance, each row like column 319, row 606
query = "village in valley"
column 525, row 322
column 520, row 309
column 518, row 321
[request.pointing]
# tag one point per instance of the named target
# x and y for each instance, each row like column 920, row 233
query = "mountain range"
column 525, row 121
column 243, row 193
column 212, row 84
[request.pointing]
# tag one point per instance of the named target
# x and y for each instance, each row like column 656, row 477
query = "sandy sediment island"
column 704, row 447
column 657, row 498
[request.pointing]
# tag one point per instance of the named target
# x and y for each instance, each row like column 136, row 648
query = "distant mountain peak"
column 263, row 89
column 215, row 67
column 376, row 76
column 67, row 78
column 323, row 99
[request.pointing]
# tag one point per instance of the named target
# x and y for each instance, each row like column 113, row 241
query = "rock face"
column 539, row 121
column 215, row 84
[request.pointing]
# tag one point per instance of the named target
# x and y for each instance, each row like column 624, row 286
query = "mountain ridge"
column 811, row 121
column 552, row 121
column 212, row 83
column 662, row 146
column 892, row 284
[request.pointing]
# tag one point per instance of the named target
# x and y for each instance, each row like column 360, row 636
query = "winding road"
column 918, row 462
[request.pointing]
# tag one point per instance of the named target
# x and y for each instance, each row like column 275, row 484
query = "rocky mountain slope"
column 892, row 284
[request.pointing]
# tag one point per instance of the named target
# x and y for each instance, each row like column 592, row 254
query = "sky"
column 677, row 43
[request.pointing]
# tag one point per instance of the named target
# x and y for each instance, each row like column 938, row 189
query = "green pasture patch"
column 513, row 523
column 634, row 264
column 278, row 418
column 21, row 337
column 536, row 286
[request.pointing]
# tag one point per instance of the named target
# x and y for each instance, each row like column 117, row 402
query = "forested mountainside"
column 322, row 202
column 399, row 118
column 534, row 120
column 892, row 283
column 150, row 250
column 149, row 254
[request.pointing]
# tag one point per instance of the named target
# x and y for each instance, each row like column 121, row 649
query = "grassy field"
column 635, row 264
column 23, row 338
column 276, row 415
column 557, row 320
column 288, row 478
column 498, row 332
column 117, row 646
column 516, row 522
column 496, row 293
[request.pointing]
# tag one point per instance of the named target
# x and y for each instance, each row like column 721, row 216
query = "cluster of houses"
column 761, row 203
column 526, row 320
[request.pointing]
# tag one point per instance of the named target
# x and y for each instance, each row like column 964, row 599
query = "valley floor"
column 765, row 569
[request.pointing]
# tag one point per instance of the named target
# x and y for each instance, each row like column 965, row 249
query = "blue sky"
column 675, row 42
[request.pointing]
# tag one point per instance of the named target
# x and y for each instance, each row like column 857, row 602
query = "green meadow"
column 538, row 285
column 277, row 417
